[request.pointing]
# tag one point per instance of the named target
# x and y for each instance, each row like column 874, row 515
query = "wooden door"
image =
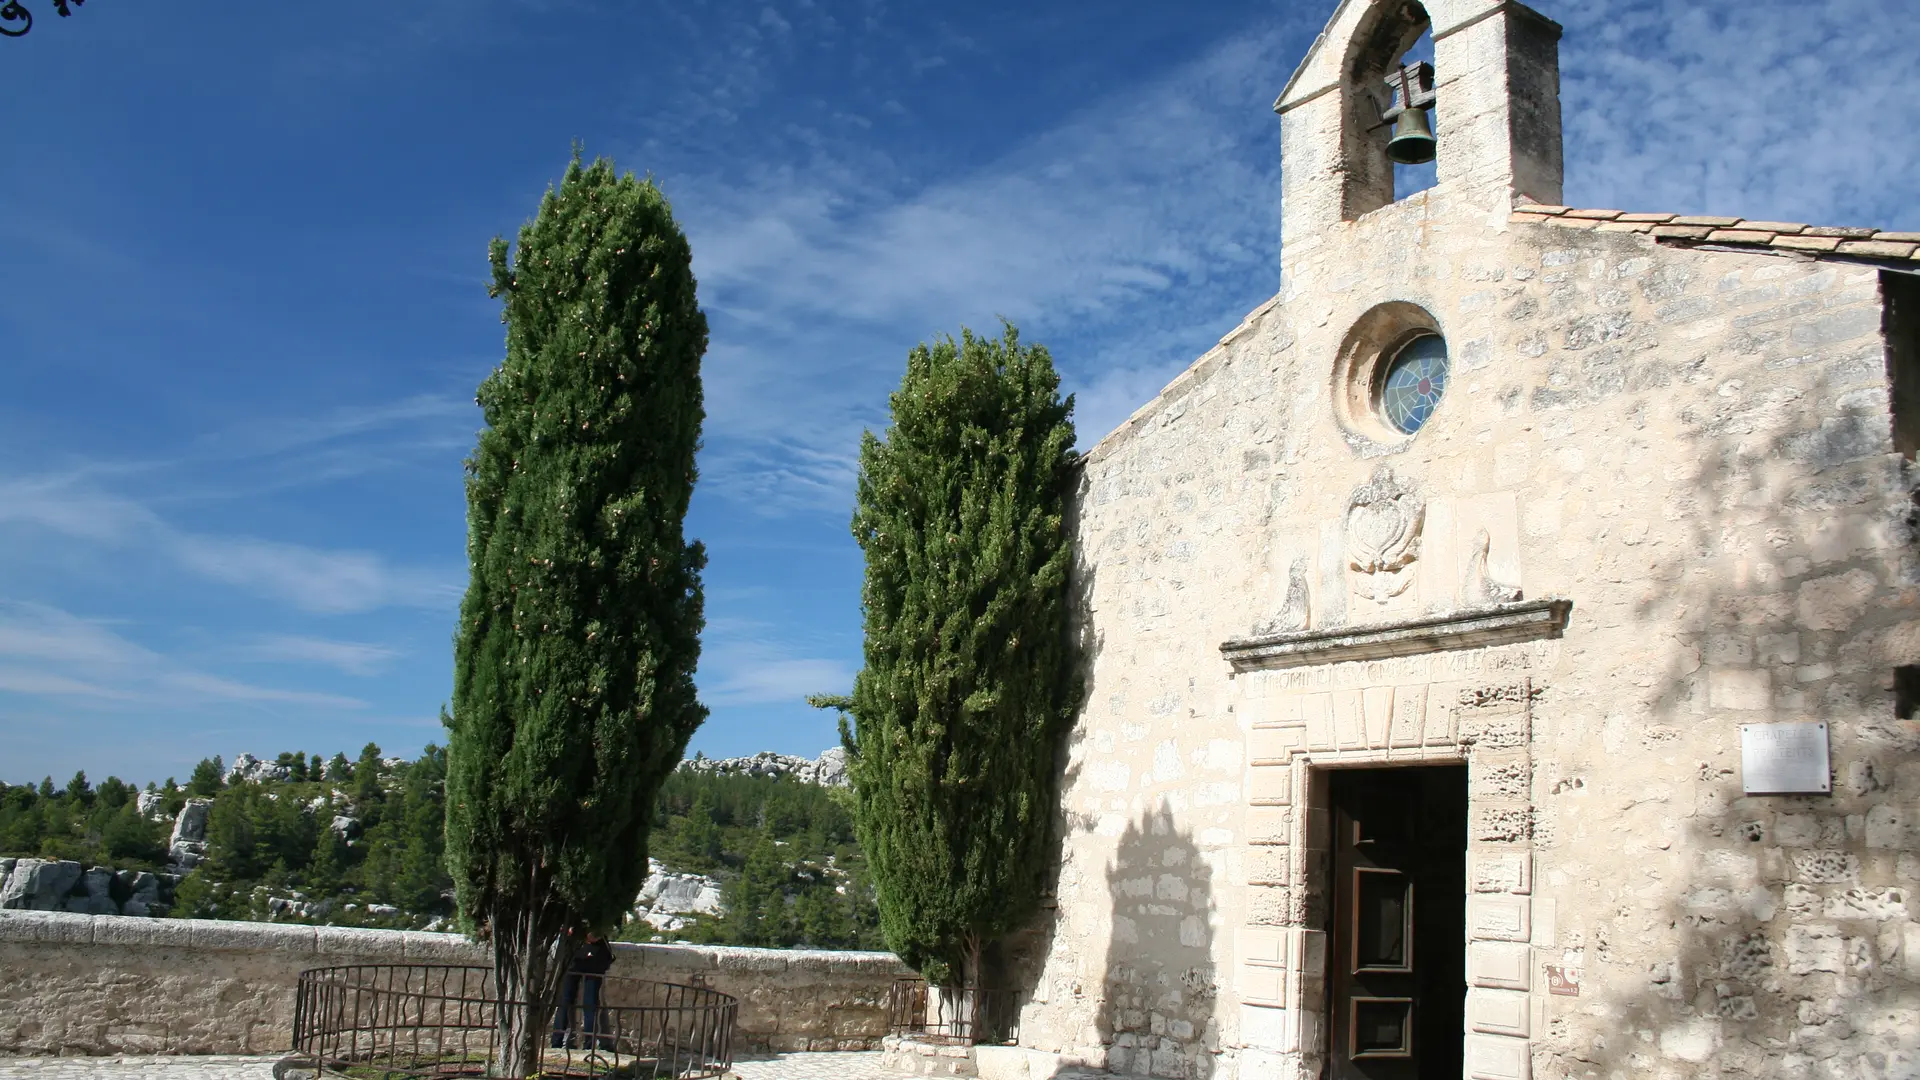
column 1396, row 962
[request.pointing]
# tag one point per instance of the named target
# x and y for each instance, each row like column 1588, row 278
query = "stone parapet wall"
column 103, row 984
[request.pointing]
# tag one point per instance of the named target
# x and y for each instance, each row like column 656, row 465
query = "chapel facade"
column 1502, row 649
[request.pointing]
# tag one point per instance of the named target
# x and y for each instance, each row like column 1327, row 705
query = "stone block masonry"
column 73, row 984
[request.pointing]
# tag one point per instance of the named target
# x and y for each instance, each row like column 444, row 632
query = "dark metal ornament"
column 13, row 11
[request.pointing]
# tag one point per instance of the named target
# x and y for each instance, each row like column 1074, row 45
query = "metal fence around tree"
column 955, row 1014
column 389, row 1021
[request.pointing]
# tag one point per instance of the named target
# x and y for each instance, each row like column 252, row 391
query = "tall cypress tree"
column 574, row 660
column 969, row 677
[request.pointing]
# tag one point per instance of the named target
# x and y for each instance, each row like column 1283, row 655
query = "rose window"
column 1415, row 381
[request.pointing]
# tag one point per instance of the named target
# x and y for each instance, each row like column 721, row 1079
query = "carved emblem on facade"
column 1384, row 518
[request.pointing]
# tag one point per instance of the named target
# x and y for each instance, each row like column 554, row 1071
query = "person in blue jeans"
column 582, row 984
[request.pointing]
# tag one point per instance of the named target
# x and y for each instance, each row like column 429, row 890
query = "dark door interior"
column 1396, row 965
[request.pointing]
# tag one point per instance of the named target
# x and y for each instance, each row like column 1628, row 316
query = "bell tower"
column 1495, row 87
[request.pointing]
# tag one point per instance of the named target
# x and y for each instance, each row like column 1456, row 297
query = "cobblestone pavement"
column 847, row 1066
column 850, row 1066
column 159, row 1067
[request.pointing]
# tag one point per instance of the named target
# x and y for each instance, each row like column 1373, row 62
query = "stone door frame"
column 1465, row 696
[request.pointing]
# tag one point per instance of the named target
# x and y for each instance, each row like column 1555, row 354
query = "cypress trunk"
column 528, row 964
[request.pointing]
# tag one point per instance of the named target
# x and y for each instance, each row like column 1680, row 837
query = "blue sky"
column 244, row 249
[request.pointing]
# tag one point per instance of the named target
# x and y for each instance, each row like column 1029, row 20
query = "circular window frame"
column 1360, row 371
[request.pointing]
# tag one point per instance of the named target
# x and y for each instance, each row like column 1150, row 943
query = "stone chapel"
column 1502, row 649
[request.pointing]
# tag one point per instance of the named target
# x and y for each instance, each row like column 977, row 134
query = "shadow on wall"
column 1156, row 1018
column 1782, row 941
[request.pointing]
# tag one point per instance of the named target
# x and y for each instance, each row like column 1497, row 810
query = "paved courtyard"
column 852, row 1066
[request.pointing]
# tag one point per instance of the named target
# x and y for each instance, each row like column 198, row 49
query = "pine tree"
column 366, row 778
column 970, row 676
column 208, row 777
column 573, row 683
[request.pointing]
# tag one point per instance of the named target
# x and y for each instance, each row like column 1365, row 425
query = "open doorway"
column 1397, row 958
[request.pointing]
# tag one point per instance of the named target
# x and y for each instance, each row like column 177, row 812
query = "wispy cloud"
column 351, row 657
column 325, row 582
column 747, row 662
column 1768, row 109
column 71, row 506
column 40, row 633
column 44, row 684
column 1129, row 236
column 218, row 689
column 79, row 660
column 282, row 435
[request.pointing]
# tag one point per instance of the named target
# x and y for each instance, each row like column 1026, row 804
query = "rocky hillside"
column 754, row 851
column 828, row 770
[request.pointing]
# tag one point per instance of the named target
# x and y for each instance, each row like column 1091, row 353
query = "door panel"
column 1397, row 979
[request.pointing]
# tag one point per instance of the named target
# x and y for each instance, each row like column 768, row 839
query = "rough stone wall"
column 1695, row 448
column 77, row 984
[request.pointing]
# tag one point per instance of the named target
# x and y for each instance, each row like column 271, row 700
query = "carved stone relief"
column 1477, row 585
column 1294, row 610
column 1384, row 518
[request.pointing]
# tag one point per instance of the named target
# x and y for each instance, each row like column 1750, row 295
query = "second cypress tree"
column 969, row 675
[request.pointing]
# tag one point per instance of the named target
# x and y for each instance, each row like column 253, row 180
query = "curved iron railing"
column 955, row 1014
column 387, row 1021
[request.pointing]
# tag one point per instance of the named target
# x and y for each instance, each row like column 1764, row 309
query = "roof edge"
column 1895, row 247
column 1313, row 50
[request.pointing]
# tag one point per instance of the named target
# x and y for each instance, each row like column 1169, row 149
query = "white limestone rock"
column 98, row 899
column 39, row 884
column 253, row 770
column 143, row 888
column 188, row 844
column 827, row 770
column 668, row 898
column 150, row 805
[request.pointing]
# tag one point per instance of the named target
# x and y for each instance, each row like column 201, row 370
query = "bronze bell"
column 1412, row 142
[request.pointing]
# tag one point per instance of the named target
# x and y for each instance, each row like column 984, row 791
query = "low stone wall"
column 105, row 984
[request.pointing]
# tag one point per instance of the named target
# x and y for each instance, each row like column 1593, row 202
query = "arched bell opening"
column 1404, row 140
column 1389, row 102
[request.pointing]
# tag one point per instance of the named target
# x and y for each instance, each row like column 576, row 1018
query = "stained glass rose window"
column 1416, row 380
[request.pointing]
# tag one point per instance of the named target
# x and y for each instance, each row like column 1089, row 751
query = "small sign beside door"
column 1563, row 979
column 1784, row 759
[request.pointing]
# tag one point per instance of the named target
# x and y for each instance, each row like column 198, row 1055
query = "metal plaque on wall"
column 1784, row 759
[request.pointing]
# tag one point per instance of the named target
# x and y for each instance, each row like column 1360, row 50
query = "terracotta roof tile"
column 1806, row 243
column 1739, row 236
column 1882, row 249
column 1730, row 231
